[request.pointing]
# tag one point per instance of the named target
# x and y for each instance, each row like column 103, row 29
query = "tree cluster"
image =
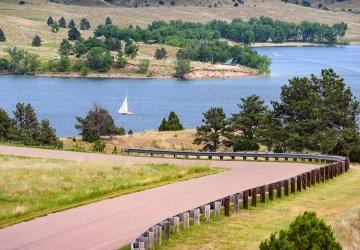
column 98, row 122
column 25, row 128
column 22, row 62
column 171, row 124
column 313, row 114
column 306, row 232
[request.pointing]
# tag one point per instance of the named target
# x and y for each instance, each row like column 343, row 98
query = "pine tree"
column 62, row 22
column 84, row 24
column 71, row 24
column 65, row 47
column 74, row 34
column 108, row 21
column 36, row 42
column 2, row 36
column 50, row 21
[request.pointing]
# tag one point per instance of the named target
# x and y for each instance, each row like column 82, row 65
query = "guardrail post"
column 221, row 157
column 233, row 157
column 217, row 206
column 327, row 172
column 347, row 164
column 304, row 179
column 197, row 216
column 286, row 187
column 210, row 157
column 184, row 218
column 262, row 194
column 253, row 197
column 207, row 213
column 176, row 224
column 227, row 206
column 299, row 182
column 308, row 180
column 245, row 198
column 166, row 227
column 292, row 185
column 271, row 191
column 313, row 176
column 278, row 189
column 244, row 157
column 236, row 203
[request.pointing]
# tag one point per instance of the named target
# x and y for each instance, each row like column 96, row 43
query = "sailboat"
column 124, row 110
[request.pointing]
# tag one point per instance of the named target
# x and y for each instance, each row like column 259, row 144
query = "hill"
column 351, row 6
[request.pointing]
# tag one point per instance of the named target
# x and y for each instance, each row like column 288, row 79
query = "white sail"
column 124, row 108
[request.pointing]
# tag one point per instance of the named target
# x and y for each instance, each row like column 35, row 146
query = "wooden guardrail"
column 153, row 237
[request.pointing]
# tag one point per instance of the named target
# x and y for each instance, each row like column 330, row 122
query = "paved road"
column 115, row 222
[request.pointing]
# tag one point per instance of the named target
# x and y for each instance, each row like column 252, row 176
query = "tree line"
column 313, row 114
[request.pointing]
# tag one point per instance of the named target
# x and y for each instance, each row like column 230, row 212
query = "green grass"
column 337, row 202
column 32, row 187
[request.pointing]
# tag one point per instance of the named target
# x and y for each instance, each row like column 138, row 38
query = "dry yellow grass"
column 178, row 140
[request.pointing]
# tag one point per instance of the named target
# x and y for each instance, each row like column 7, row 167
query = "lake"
column 60, row 100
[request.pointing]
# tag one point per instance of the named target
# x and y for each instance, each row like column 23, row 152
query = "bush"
column 36, row 42
column 55, row 27
column 108, row 21
column 2, row 36
column 84, row 24
column 160, row 53
column 98, row 146
column 182, row 67
column 144, row 66
column 63, row 65
column 243, row 144
column 50, row 21
column 121, row 61
column 99, row 59
column 71, row 24
column 4, row 64
column 306, row 232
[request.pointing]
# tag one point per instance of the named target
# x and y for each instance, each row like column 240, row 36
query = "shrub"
column 160, row 53
column 36, row 42
column 130, row 132
column 306, row 232
column 182, row 67
column 121, row 61
column 108, row 21
column 144, row 66
column 84, row 24
column 4, row 64
column 71, row 24
column 99, row 59
column 65, row 47
column 55, row 27
column 98, row 146
column 63, row 64
column 2, row 36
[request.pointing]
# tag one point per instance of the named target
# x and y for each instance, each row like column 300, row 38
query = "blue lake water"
column 60, row 100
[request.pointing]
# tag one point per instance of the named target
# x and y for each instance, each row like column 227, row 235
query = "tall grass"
column 30, row 187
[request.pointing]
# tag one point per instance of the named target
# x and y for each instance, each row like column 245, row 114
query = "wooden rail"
column 153, row 237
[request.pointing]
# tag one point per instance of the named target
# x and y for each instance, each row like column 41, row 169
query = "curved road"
column 115, row 222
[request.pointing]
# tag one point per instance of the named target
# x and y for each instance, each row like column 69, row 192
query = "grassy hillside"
column 351, row 6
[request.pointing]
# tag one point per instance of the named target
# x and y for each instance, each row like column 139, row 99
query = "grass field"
column 337, row 202
column 32, row 187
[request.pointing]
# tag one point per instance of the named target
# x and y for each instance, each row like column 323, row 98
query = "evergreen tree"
column 74, row 34
column 26, row 122
column 99, row 59
column 2, row 36
column 98, row 122
column 71, row 24
column 62, row 22
column 65, row 47
column 55, row 27
column 6, row 126
column 171, row 124
column 47, row 135
column 244, row 124
column 113, row 44
column 160, row 53
column 211, row 134
column 36, row 42
column 50, row 21
column 131, row 50
column 108, row 21
column 84, row 24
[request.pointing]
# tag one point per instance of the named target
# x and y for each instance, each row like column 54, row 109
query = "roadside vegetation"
column 32, row 187
column 248, row 228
